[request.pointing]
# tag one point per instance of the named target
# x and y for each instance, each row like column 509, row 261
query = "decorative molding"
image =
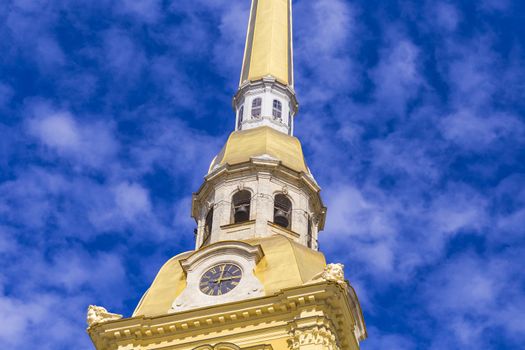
column 332, row 273
column 229, row 346
column 235, row 247
column 321, row 335
column 98, row 314
column 221, row 346
column 325, row 298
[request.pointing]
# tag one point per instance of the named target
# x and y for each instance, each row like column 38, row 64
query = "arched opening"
column 208, row 225
column 282, row 210
column 256, row 107
column 277, row 110
column 220, row 346
column 241, row 206
column 240, row 117
column 309, row 240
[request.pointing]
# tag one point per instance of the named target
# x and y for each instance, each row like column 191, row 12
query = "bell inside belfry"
column 282, row 210
column 281, row 218
column 242, row 213
column 241, row 206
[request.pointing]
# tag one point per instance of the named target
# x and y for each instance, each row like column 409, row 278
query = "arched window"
column 277, row 109
column 241, row 116
column 241, row 206
column 289, row 123
column 208, row 225
column 256, row 107
column 282, row 211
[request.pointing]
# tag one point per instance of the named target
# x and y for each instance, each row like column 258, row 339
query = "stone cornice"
column 240, row 248
column 257, row 165
column 265, row 83
column 327, row 296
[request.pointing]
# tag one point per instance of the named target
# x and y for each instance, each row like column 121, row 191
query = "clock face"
column 220, row 279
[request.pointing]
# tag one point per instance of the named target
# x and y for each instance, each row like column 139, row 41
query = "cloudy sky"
column 411, row 118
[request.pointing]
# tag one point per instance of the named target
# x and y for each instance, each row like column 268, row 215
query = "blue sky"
column 411, row 118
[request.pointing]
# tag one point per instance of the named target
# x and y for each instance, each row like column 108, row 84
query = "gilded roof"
column 285, row 264
column 269, row 42
column 261, row 142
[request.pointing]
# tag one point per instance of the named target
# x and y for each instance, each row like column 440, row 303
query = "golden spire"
column 269, row 50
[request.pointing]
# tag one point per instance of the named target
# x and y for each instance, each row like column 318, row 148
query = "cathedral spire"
column 256, row 279
column 266, row 96
column 269, row 50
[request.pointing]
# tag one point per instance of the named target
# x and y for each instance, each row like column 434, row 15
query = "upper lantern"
column 266, row 96
column 269, row 50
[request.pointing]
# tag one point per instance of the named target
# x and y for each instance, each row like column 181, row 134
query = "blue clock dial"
column 220, row 279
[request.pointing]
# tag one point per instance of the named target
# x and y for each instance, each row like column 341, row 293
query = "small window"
column 282, row 211
column 240, row 118
column 208, row 225
column 241, row 206
column 256, row 107
column 277, row 109
column 289, row 123
column 309, row 238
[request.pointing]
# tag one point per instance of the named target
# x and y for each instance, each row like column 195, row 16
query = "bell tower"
column 256, row 279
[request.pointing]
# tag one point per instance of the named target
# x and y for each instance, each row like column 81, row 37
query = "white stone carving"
column 315, row 337
column 98, row 314
column 333, row 273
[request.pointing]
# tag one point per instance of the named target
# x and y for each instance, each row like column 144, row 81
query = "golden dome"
column 285, row 264
column 261, row 142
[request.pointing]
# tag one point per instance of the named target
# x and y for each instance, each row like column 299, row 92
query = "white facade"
column 264, row 179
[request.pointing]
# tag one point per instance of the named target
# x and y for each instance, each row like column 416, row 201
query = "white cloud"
column 495, row 5
column 324, row 65
column 56, row 294
column 379, row 340
column 447, row 15
column 477, row 132
column 394, row 234
column 91, row 144
column 146, row 10
column 58, row 131
column 132, row 200
column 228, row 50
column 397, row 77
column 470, row 294
column 125, row 59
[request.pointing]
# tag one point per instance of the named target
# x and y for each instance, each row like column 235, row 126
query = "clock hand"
column 229, row 278
column 222, row 273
